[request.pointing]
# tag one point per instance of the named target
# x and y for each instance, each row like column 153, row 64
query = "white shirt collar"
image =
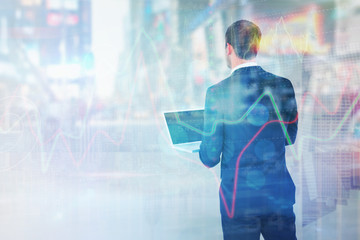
column 248, row 64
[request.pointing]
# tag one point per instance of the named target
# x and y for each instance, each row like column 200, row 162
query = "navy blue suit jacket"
column 242, row 126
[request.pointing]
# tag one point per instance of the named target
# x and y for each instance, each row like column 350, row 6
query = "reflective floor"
column 169, row 198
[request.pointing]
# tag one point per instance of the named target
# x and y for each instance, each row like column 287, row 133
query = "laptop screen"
column 185, row 126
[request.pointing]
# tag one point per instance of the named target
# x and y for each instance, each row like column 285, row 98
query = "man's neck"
column 245, row 63
column 238, row 61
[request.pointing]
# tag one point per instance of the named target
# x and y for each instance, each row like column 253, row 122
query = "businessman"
column 249, row 119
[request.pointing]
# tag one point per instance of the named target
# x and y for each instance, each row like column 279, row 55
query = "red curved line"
column 231, row 214
column 348, row 78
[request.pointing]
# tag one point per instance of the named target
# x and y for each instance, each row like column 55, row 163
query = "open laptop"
column 185, row 129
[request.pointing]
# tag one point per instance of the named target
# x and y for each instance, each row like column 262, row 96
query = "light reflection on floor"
column 168, row 199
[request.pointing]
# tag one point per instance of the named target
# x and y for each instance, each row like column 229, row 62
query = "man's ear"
column 229, row 49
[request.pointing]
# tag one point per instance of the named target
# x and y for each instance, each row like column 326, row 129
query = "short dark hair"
column 244, row 36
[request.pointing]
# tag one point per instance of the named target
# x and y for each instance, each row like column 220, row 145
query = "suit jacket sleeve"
column 291, row 108
column 212, row 140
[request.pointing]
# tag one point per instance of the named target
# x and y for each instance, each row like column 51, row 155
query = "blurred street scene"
column 85, row 152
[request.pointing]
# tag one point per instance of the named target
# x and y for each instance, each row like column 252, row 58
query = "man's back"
column 249, row 118
column 247, row 109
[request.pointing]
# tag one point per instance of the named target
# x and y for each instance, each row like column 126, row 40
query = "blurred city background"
column 85, row 152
